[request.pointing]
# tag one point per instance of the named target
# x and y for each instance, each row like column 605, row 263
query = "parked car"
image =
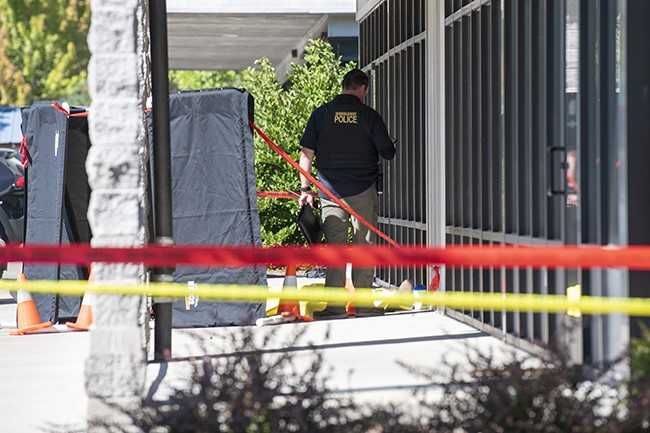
column 12, row 197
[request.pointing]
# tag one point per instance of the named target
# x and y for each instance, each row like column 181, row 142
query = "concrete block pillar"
column 117, row 79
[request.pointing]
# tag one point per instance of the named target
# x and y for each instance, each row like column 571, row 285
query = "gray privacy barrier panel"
column 57, row 198
column 214, row 196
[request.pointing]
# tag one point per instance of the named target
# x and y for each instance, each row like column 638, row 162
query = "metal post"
column 161, row 170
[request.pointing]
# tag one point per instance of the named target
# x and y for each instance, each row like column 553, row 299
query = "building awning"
column 10, row 121
column 211, row 35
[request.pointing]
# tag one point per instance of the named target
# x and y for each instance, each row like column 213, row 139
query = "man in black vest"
column 347, row 138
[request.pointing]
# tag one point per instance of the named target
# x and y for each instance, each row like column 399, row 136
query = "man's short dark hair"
column 355, row 79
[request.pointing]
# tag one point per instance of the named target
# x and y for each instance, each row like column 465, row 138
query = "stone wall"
column 118, row 85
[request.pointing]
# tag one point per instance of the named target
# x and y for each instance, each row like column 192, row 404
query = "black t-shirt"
column 347, row 137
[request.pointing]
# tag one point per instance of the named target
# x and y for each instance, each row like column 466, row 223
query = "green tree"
column 43, row 50
column 282, row 111
column 198, row 80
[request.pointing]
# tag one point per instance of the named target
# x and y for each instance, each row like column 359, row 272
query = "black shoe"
column 369, row 312
column 331, row 313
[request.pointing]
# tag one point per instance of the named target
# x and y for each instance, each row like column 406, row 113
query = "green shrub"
column 250, row 390
column 200, row 80
column 523, row 393
column 640, row 356
column 283, row 111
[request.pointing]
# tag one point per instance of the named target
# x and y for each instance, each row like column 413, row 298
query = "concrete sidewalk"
column 42, row 376
column 363, row 352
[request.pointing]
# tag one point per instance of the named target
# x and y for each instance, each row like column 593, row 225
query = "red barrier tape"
column 58, row 107
column 322, row 187
column 635, row 258
column 25, row 157
column 286, row 195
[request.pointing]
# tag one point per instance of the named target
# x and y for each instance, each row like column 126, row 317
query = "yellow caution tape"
column 362, row 297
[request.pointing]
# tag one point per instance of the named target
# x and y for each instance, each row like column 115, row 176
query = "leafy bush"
column 528, row 394
column 249, row 391
column 640, row 356
column 514, row 398
column 198, row 80
column 283, row 111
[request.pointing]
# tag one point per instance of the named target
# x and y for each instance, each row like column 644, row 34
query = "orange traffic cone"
column 287, row 311
column 28, row 319
column 85, row 319
column 291, row 308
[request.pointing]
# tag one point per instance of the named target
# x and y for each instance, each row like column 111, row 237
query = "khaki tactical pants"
column 335, row 227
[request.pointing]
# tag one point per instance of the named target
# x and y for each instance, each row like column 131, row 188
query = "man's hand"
column 306, row 156
column 306, row 197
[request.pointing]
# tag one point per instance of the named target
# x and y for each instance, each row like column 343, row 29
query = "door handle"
column 557, row 169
